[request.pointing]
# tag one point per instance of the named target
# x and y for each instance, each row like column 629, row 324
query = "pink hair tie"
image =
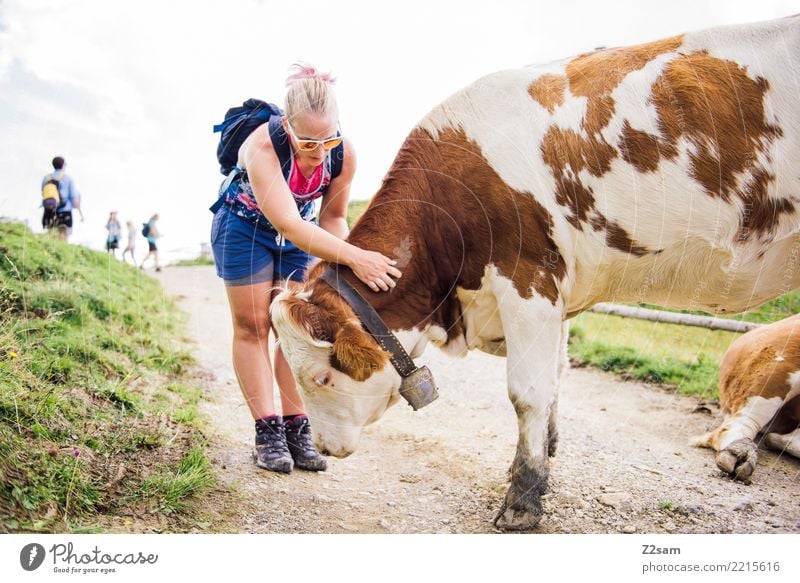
column 305, row 71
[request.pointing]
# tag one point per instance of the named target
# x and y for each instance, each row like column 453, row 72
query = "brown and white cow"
column 666, row 173
column 759, row 391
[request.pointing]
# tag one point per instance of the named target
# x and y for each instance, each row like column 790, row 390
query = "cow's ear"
column 356, row 354
column 313, row 319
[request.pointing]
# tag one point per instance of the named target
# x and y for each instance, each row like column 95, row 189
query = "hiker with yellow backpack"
column 59, row 198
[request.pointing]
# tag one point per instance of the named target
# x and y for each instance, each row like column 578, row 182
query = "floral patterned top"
column 239, row 196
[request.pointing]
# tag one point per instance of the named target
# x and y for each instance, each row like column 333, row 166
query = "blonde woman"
column 264, row 235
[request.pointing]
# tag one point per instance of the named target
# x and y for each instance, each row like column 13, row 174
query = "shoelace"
column 303, row 438
column 275, row 441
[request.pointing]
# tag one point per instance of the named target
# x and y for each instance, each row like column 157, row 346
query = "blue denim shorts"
column 246, row 254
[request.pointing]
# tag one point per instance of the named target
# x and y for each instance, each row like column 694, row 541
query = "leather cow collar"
column 417, row 386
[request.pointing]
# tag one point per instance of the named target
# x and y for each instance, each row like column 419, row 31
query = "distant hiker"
column 151, row 233
column 131, row 247
column 59, row 198
column 114, row 233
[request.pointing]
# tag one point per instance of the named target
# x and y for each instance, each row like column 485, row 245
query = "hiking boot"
column 298, row 438
column 271, row 451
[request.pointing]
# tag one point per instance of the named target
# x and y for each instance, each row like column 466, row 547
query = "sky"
column 128, row 92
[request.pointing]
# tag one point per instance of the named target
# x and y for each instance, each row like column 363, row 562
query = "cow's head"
column 344, row 375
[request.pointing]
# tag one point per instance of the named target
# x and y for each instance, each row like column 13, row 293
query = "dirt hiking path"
column 623, row 465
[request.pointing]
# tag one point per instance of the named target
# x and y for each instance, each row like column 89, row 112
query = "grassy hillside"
column 97, row 418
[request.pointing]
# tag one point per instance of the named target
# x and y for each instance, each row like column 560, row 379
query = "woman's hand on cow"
column 375, row 269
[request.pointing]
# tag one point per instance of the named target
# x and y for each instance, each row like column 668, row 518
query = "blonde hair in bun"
column 310, row 91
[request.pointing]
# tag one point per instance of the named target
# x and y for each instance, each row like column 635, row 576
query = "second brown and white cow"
column 665, row 173
column 759, row 392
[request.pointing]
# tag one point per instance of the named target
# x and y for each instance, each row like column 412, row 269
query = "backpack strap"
column 280, row 142
column 223, row 189
column 217, row 204
column 52, row 176
column 337, row 160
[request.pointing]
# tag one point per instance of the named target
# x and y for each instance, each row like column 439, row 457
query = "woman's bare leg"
column 249, row 311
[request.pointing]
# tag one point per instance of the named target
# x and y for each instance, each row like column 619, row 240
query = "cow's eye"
column 323, row 379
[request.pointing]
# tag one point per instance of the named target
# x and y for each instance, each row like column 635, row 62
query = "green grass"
column 684, row 357
column 355, row 209
column 181, row 403
column 194, row 262
column 174, row 490
column 680, row 356
column 92, row 378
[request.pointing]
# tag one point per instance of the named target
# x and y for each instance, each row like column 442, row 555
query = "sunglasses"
column 305, row 145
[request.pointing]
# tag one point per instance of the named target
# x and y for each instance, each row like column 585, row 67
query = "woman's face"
column 311, row 127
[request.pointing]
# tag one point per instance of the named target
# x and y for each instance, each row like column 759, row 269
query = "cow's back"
column 667, row 167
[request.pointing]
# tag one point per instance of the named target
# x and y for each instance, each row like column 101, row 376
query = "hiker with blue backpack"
column 59, row 199
column 264, row 234
column 151, row 233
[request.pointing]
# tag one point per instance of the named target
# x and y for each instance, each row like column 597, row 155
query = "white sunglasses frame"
column 291, row 132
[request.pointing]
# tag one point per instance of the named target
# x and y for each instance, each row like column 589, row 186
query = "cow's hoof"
column 516, row 520
column 522, row 507
column 739, row 459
